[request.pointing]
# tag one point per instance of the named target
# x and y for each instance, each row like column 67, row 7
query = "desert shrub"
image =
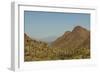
column 27, row 58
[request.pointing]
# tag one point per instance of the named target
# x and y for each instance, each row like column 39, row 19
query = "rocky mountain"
column 79, row 37
column 73, row 44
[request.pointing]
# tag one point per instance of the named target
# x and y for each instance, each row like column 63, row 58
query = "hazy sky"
column 45, row 24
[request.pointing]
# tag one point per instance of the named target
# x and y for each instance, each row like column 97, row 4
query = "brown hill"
column 79, row 37
column 34, row 50
column 73, row 44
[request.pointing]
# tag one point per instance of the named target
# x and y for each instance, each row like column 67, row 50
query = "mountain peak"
column 78, row 28
column 67, row 32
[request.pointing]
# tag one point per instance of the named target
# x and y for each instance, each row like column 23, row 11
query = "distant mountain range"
column 73, row 44
column 49, row 39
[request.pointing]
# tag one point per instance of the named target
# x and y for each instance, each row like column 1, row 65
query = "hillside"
column 73, row 39
column 73, row 44
column 34, row 50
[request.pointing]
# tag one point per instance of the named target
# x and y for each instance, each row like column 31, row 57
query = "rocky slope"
column 73, row 44
column 79, row 37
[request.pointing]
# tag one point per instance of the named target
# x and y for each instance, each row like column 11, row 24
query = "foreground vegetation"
column 37, row 51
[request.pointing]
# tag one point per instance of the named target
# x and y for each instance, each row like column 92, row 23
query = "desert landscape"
column 73, row 44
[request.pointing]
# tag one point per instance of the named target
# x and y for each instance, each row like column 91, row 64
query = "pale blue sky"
column 44, row 24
